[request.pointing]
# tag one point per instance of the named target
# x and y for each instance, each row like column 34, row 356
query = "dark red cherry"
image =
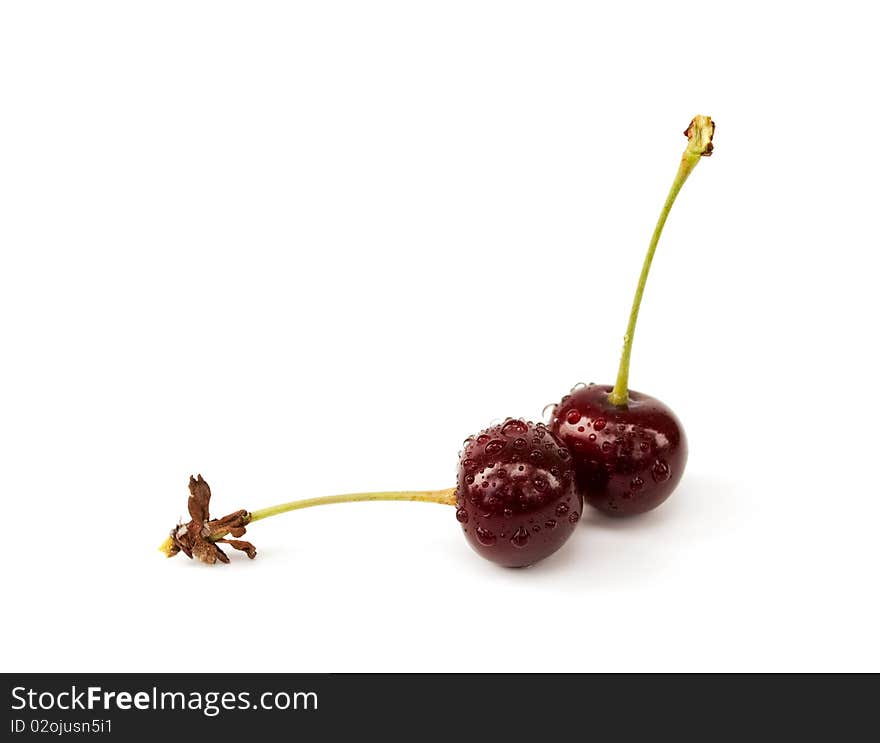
column 627, row 460
column 629, row 450
column 515, row 497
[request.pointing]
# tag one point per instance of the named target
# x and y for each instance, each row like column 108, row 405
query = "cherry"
column 627, row 460
column 515, row 498
column 629, row 449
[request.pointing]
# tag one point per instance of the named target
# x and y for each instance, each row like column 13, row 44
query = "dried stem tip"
column 199, row 537
column 699, row 133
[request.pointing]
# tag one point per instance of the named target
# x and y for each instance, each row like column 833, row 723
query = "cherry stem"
column 216, row 530
column 699, row 135
column 444, row 497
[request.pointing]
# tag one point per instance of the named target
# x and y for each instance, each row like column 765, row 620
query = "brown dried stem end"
column 699, row 133
column 200, row 536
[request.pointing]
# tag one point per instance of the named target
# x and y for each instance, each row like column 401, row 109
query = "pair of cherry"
column 522, row 486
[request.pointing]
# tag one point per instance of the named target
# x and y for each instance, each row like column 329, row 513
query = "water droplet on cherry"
column 520, row 537
column 660, row 471
column 514, row 428
column 494, row 447
column 485, row 537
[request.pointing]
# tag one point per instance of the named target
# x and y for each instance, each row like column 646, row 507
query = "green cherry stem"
column 444, row 497
column 699, row 135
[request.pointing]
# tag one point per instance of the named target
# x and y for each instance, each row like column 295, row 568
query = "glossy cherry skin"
column 627, row 460
column 515, row 498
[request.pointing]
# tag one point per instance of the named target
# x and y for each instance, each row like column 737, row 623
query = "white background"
column 307, row 248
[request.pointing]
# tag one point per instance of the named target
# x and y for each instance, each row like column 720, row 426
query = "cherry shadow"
column 698, row 496
column 605, row 550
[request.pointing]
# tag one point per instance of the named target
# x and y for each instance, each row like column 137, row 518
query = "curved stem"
column 201, row 536
column 699, row 135
column 444, row 497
